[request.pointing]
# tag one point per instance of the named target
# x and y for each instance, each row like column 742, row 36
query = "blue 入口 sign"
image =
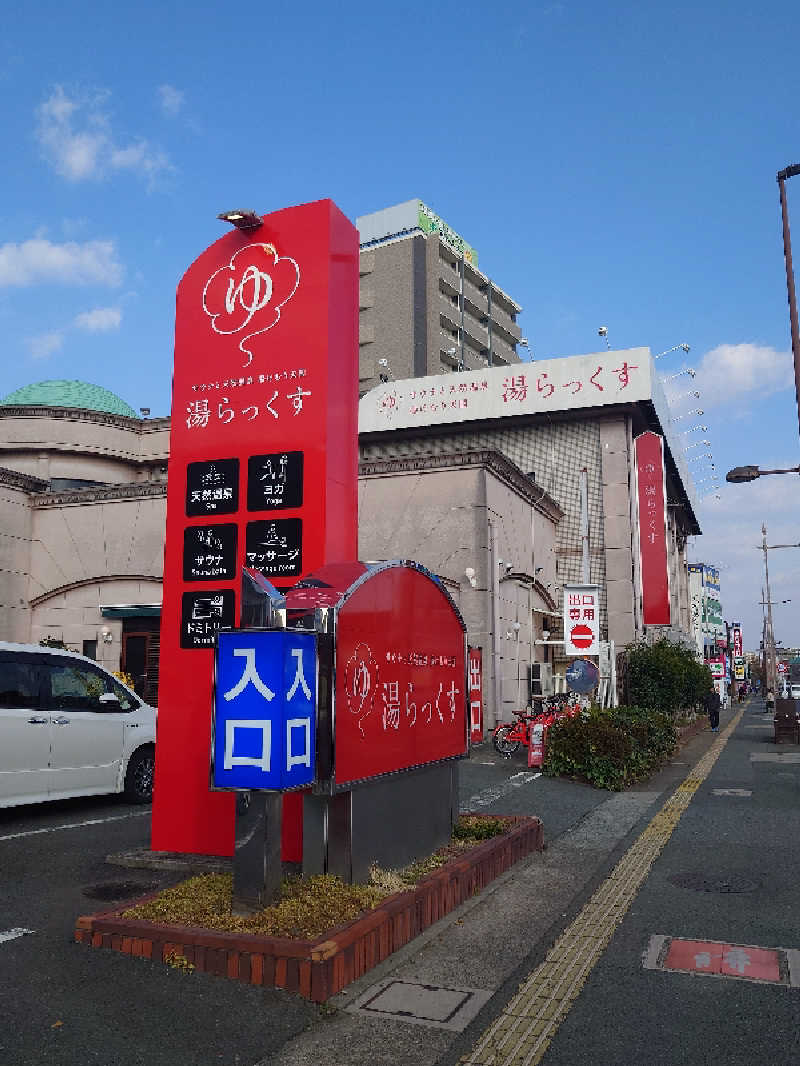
column 265, row 701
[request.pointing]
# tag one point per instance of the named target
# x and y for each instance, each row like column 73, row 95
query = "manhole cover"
column 118, row 889
column 727, row 884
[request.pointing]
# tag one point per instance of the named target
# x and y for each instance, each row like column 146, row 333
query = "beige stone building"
column 83, row 491
column 475, row 474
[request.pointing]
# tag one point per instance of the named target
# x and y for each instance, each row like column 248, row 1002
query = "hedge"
column 612, row 747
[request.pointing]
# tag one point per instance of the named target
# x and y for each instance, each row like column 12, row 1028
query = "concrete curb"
column 318, row 969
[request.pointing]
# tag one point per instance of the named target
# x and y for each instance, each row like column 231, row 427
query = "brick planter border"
column 318, row 969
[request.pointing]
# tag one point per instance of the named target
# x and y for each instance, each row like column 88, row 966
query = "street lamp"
column 244, row 219
column 683, row 395
column 696, row 411
column 683, row 347
column 691, row 429
column 705, row 455
column 689, row 370
column 790, row 172
column 697, row 444
column 740, row 474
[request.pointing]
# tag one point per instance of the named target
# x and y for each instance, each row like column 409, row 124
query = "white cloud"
column 40, row 260
column 100, row 320
column 171, row 100
column 45, row 344
column 740, row 373
column 731, row 539
column 76, row 138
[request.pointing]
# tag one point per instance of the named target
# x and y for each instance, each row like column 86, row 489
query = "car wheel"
column 139, row 778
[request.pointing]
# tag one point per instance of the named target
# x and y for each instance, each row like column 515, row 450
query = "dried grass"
column 309, row 906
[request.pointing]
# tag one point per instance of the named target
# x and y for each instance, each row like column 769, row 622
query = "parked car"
column 69, row 728
column 794, row 692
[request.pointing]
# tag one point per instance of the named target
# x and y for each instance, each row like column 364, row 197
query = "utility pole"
column 769, row 633
column 790, row 172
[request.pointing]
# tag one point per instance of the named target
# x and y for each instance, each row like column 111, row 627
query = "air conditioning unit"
column 540, row 680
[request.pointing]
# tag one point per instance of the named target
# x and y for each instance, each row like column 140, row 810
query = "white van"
column 69, row 728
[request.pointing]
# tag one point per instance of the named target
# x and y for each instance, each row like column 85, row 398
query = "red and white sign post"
column 652, row 507
column 581, row 620
column 475, row 695
column 263, row 473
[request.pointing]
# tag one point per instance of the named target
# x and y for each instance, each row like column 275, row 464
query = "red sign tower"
column 262, row 473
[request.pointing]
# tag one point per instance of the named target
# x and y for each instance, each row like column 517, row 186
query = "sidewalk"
column 430, row 1002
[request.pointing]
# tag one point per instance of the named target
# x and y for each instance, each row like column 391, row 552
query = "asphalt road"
column 67, row 1005
column 64, row 1004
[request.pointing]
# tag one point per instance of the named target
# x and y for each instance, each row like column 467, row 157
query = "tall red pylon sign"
column 263, row 473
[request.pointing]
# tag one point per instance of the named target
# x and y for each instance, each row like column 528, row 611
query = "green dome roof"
column 78, row 394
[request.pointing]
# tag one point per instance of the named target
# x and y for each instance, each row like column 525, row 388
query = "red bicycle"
column 508, row 736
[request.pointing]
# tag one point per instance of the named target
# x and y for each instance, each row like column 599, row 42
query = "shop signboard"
column 652, row 522
column 717, row 667
column 401, row 676
column 262, row 469
column 581, row 620
column 736, row 636
column 265, row 701
column 475, row 695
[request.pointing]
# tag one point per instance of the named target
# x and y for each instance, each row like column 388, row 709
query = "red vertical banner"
column 475, row 695
column 652, row 506
column 738, row 647
column 263, row 469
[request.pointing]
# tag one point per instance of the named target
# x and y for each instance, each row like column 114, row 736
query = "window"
column 18, row 684
column 77, row 687
column 90, row 649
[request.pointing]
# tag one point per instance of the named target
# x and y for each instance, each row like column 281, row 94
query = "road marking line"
column 13, row 934
column 523, row 1032
column 495, row 792
column 732, row 791
column 74, row 825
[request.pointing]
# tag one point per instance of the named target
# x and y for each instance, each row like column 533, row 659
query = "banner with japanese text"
column 651, row 495
column 262, row 471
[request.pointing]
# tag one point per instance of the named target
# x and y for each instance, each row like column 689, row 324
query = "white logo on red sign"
column 243, row 293
column 361, row 680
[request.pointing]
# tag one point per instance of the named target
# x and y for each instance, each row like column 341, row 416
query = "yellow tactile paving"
column 522, row 1033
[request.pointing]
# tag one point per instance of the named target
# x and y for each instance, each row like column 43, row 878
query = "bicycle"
column 508, row 736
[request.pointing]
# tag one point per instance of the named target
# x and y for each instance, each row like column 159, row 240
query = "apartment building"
column 424, row 305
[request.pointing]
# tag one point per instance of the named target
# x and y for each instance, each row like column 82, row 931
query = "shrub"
column 610, row 748
column 666, row 677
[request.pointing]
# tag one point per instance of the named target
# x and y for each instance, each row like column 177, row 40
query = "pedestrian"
column 770, row 700
column 711, row 703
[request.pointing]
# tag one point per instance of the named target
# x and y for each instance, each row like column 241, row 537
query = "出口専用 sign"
column 581, row 620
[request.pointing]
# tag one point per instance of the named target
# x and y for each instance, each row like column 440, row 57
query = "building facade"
column 569, row 426
column 424, row 306
column 83, row 503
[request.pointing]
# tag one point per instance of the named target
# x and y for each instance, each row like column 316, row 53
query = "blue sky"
column 614, row 164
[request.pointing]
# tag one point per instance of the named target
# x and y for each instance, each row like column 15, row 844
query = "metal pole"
column 584, row 491
column 787, row 254
column 771, row 671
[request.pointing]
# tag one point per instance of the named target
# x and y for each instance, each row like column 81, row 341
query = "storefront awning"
column 130, row 610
